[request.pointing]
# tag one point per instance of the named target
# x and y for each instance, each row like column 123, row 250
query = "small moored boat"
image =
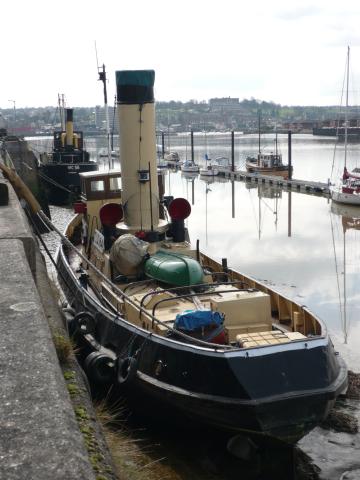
column 268, row 163
column 347, row 188
column 190, row 166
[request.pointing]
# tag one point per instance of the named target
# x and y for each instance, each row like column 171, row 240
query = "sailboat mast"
column 102, row 78
column 259, row 137
column 259, row 124
column 346, row 105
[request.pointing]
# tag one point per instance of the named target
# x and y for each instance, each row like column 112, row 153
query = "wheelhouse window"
column 115, row 184
column 97, row 185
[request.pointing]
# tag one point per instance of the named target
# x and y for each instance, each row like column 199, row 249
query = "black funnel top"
column 135, row 86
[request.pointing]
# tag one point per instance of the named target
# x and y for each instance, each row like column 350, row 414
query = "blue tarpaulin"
column 193, row 319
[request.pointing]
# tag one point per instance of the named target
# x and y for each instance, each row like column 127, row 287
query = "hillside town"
column 216, row 114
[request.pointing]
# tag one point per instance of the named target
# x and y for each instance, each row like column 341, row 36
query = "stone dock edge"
column 40, row 428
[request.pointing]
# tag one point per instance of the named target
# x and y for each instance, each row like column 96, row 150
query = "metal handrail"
column 174, row 289
column 189, row 295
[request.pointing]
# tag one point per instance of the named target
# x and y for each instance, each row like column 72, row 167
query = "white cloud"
column 288, row 52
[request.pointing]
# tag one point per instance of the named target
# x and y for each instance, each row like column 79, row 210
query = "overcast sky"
column 291, row 52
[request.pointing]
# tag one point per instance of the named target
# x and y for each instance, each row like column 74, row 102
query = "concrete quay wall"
column 39, row 434
column 17, row 151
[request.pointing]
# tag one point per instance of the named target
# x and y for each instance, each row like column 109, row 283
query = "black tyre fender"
column 84, row 323
column 99, row 367
column 126, row 369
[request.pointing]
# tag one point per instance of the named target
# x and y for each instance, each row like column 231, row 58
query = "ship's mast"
column 61, row 104
column 102, row 78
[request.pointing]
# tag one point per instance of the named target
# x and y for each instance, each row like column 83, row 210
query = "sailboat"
column 267, row 163
column 347, row 189
column 189, row 166
column 181, row 335
column 210, row 169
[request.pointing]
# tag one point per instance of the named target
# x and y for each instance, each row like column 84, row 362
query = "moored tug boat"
column 171, row 326
column 268, row 164
column 60, row 169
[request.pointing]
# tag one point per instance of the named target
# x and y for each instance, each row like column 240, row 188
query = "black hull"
column 66, row 175
column 333, row 131
column 325, row 131
column 353, row 133
column 281, row 391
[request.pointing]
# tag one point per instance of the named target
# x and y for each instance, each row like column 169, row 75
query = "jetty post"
column 232, row 151
column 162, row 144
column 289, row 155
column 192, row 144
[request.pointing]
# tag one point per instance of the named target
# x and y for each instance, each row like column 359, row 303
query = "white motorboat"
column 190, row 166
column 209, row 171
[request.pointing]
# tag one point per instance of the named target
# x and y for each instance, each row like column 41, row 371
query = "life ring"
column 126, row 369
column 99, row 367
column 84, row 323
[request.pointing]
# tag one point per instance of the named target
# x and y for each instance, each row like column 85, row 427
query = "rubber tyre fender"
column 126, row 369
column 99, row 367
column 84, row 323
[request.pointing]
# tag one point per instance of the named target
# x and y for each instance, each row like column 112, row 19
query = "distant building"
column 224, row 102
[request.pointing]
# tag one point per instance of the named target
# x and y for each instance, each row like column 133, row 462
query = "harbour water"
column 303, row 245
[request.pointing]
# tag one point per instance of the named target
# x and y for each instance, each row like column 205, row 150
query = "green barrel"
column 174, row 269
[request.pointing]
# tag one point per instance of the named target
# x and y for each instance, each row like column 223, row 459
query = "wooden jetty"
column 293, row 184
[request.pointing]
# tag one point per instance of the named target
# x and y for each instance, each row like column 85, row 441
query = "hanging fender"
column 126, row 369
column 99, row 367
column 84, row 323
